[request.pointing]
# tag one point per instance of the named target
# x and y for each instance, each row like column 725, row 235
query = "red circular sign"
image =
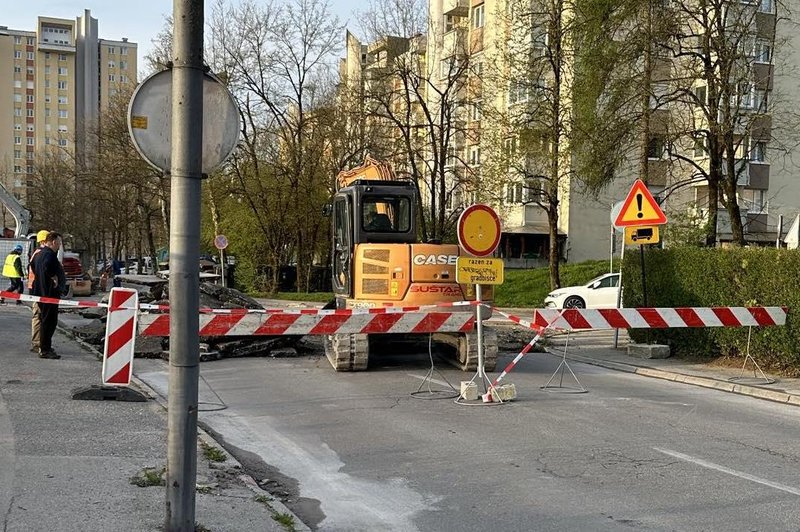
column 220, row 241
column 479, row 230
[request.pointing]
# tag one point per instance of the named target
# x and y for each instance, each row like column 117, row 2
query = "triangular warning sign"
column 640, row 208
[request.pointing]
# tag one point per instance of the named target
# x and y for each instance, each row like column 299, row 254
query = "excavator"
column 378, row 261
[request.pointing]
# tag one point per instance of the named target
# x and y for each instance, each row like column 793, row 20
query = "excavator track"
column 347, row 352
column 466, row 347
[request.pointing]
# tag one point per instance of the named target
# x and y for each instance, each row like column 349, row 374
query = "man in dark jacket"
column 49, row 281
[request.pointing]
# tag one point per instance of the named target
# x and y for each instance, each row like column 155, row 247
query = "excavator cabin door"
column 342, row 245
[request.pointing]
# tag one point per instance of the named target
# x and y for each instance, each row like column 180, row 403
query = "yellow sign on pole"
column 647, row 234
column 471, row 270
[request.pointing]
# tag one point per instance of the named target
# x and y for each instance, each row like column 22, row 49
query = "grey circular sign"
column 150, row 121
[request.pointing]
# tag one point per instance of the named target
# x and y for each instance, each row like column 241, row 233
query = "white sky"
column 138, row 20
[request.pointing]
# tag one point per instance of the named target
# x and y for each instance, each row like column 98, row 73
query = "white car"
column 600, row 292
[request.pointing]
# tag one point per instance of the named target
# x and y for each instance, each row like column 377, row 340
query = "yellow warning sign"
column 642, row 235
column 470, row 270
column 139, row 122
column 640, row 208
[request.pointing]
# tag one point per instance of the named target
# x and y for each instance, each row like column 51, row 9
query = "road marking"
column 723, row 469
column 434, row 381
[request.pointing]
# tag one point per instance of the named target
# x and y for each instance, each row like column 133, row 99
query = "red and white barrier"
column 120, row 332
column 50, row 300
column 295, row 323
column 659, row 318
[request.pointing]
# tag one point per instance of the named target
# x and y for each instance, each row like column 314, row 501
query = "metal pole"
column 222, row 268
column 481, row 373
column 619, row 292
column 611, row 252
column 780, row 231
column 644, row 279
column 184, row 247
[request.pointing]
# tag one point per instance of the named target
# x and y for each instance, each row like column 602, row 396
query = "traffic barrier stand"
column 755, row 379
column 561, row 367
column 117, row 352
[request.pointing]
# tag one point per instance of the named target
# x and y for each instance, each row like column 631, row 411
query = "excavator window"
column 386, row 214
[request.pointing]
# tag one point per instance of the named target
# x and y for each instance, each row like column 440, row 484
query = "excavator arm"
column 21, row 215
column 372, row 170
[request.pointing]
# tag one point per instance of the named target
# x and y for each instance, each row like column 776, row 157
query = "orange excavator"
column 378, row 261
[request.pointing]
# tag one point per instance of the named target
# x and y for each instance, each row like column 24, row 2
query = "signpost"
column 221, row 242
column 479, row 234
column 640, row 216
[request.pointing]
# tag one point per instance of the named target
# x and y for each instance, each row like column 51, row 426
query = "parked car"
column 600, row 292
column 79, row 283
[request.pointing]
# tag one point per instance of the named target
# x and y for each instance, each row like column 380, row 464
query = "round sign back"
column 479, row 230
column 150, row 121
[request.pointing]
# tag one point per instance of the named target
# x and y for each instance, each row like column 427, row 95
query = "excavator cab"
column 371, row 212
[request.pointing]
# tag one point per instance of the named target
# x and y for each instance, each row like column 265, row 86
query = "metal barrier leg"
column 560, row 371
column 755, row 379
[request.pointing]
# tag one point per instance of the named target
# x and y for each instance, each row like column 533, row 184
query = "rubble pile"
column 155, row 290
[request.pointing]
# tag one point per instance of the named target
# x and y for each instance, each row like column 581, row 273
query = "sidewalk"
column 67, row 464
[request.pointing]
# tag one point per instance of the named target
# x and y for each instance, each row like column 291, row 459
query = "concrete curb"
column 694, row 380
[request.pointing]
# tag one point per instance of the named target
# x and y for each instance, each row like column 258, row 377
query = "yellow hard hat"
column 41, row 236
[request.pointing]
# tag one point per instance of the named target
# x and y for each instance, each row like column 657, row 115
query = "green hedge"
column 704, row 277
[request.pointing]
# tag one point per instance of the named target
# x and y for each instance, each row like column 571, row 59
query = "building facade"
column 55, row 81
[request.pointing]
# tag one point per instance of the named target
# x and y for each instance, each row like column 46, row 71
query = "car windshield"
column 608, row 280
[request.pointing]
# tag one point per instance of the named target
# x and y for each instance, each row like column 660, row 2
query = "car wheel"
column 574, row 302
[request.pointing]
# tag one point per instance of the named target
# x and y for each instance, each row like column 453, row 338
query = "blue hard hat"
column 18, row 248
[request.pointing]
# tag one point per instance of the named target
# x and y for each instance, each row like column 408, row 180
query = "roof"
column 531, row 229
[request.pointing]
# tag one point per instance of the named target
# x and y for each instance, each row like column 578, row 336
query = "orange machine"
column 378, row 261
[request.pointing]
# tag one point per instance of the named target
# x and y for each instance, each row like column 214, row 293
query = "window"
column 62, row 129
column 123, row 65
column 62, row 57
column 111, row 64
column 17, row 69
column 111, row 77
column 29, row 98
column 17, row 39
column 47, row 55
column 29, row 169
column 658, row 98
column 123, row 50
column 30, row 141
column 47, row 126
column 17, row 127
column 62, row 100
column 476, row 110
column 17, row 111
column 450, row 161
column 47, row 139
column 762, row 51
column 30, row 71
column 62, row 113
column 123, row 78
column 30, row 85
column 758, row 151
column 17, row 140
column 29, row 155
column 30, row 56
column 17, row 154
column 29, row 113
column 699, row 147
column 111, row 50
column 47, row 84
column 17, row 84
column 62, row 85
column 655, row 147
column 510, row 146
column 767, row 6
column 449, row 67
column 478, row 16
column 17, row 54
column 18, row 98
column 31, row 41
column 62, row 71
column 386, row 214
column 47, row 112
column 62, row 142
column 514, row 193
column 29, row 127
column 517, row 92
column 475, row 155
column 47, row 99
column 17, row 169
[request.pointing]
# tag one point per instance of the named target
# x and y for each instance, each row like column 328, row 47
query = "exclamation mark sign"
column 640, row 214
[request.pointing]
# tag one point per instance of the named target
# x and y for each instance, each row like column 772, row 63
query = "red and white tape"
column 287, row 323
column 659, row 318
column 51, row 300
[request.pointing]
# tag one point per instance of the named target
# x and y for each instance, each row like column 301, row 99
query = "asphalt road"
column 357, row 451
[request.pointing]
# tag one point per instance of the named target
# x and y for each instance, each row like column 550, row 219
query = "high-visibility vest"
column 31, row 274
column 10, row 268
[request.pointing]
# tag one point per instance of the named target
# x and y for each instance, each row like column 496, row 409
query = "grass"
column 285, row 519
column 149, row 476
column 213, row 454
column 528, row 288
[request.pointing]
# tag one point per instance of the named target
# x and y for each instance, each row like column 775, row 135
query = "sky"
column 138, row 20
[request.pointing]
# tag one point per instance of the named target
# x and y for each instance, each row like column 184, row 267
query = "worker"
column 13, row 270
column 50, row 282
column 36, row 319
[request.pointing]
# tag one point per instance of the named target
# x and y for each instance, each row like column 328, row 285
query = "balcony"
column 455, row 8
column 55, row 47
column 534, row 215
column 742, row 170
column 454, row 42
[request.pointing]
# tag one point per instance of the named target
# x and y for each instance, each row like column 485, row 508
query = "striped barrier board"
column 659, row 318
column 120, row 331
column 287, row 323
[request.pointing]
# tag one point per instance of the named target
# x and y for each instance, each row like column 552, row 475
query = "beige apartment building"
column 55, row 81
column 477, row 33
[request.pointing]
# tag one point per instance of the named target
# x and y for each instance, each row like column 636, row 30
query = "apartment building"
column 55, row 80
